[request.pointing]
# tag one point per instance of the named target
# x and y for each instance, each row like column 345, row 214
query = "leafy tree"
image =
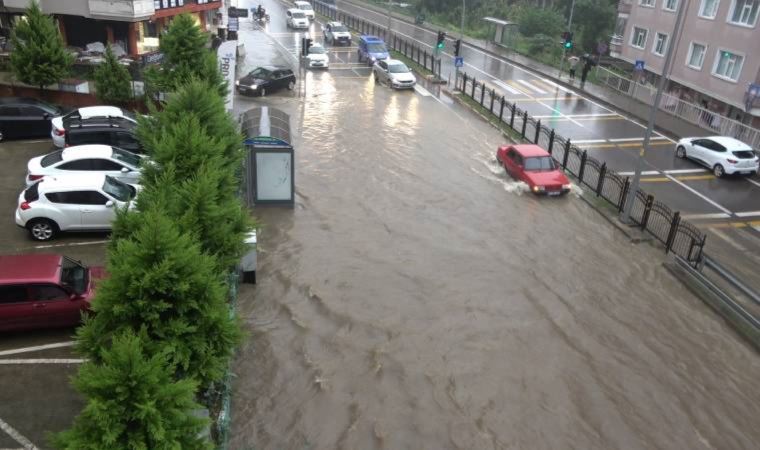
column 39, row 57
column 595, row 19
column 113, row 84
column 533, row 21
column 161, row 284
column 133, row 402
column 185, row 58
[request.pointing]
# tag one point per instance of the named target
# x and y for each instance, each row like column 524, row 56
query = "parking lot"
column 36, row 366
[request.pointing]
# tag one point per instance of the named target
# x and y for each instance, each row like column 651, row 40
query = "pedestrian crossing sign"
column 639, row 64
column 459, row 61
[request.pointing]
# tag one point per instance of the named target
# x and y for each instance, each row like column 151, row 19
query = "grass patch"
column 411, row 63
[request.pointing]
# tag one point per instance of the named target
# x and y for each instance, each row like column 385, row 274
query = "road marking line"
column 37, row 348
column 16, row 436
column 422, row 91
column 636, row 139
column 748, row 214
column 516, row 87
column 625, row 144
column 71, row 244
column 507, row 87
column 753, row 182
column 614, row 117
column 5, row 362
column 644, row 173
column 705, row 216
column 700, row 195
column 685, row 171
column 725, row 237
column 682, row 178
column 542, row 82
column 525, row 83
column 589, row 141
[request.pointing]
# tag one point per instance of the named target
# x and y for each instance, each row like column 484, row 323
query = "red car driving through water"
column 44, row 291
column 535, row 166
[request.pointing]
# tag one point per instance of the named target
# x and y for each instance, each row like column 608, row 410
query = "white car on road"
column 306, row 8
column 317, row 57
column 72, row 203
column 394, row 73
column 86, row 159
column 58, row 124
column 295, row 18
column 723, row 155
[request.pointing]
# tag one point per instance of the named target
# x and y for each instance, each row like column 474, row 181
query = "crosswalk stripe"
column 705, row 216
column 748, row 214
column 422, row 91
column 540, row 91
column 507, row 87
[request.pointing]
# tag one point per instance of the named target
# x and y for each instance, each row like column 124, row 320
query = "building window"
column 728, row 65
column 708, row 8
column 669, row 5
column 639, row 37
column 660, row 44
column 744, row 12
column 696, row 56
column 647, row 3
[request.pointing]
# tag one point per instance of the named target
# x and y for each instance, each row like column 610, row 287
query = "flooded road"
column 416, row 298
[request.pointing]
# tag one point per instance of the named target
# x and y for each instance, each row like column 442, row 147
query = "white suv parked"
column 86, row 159
column 58, row 127
column 723, row 155
column 295, row 18
column 80, row 203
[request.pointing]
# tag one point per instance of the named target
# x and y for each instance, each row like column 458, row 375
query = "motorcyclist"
column 260, row 12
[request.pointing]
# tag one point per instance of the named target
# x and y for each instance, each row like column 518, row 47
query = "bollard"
column 512, row 119
column 567, row 153
column 538, row 131
column 672, row 233
column 551, row 142
column 525, row 124
column 584, row 155
column 501, row 110
column 602, row 174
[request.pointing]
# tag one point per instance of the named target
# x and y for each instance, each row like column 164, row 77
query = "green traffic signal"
column 440, row 45
column 568, row 45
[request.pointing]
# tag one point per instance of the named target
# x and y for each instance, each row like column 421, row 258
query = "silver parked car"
column 394, row 73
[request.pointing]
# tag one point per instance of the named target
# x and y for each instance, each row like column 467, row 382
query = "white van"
column 295, row 18
column 306, row 8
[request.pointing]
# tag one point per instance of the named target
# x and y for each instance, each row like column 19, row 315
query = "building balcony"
column 122, row 10
column 616, row 46
column 624, row 7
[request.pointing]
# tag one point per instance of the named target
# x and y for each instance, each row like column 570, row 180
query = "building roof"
column 36, row 267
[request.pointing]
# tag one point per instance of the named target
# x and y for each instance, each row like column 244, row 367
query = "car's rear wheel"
column 681, row 152
column 718, row 171
column 43, row 229
column 291, row 85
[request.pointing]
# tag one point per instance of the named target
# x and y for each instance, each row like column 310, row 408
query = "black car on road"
column 267, row 79
column 114, row 131
column 26, row 117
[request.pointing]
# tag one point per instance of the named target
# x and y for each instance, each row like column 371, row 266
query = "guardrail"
column 651, row 215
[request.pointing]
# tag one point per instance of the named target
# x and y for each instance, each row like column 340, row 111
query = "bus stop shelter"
column 269, row 162
column 505, row 33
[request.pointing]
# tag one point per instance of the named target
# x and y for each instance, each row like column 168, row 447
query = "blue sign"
column 754, row 90
column 459, row 61
column 639, row 65
column 233, row 24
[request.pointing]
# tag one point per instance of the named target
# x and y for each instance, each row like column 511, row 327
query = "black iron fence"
column 677, row 235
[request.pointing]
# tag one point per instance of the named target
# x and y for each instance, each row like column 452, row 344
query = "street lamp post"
column 461, row 40
column 630, row 199
column 389, row 20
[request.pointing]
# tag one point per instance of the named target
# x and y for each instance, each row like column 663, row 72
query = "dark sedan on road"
column 264, row 80
column 26, row 117
column 534, row 166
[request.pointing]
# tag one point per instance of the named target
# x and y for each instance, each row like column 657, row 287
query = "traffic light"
column 567, row 40
column 305, row 46
column 457, row 47
column 441, row 40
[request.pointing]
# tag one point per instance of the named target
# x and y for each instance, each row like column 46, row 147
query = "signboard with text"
column 226, row 56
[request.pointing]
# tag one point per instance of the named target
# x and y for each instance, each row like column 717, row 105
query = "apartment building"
column 716, row 63
column 135, row 25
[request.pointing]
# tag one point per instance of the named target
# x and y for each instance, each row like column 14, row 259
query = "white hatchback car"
column 394, row 73
column 306, row 8
column 723, row 155
column 72, row 203
column 86, row 159
column 58, row 126
column 295, row 18
column 317, row 57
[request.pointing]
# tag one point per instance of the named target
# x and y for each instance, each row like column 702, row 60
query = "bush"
column 534, row 21
column 113, row 84
column 540, row 44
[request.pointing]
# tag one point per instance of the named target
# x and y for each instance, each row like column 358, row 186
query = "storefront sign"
column 152, row 58
column 226, row 56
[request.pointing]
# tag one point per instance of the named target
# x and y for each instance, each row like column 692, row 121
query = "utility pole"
column 631, row 198
column 569, row 25
column 389, row 21
column 461, row 40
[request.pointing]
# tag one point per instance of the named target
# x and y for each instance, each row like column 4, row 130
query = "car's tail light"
column 732, row 161
column 59, row 132
column 35, row 177
column 24, row 206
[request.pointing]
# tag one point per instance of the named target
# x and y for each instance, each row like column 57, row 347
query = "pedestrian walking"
column 573, row 61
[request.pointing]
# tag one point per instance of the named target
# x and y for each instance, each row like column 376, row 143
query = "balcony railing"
column 168, row 4
column 125, row 10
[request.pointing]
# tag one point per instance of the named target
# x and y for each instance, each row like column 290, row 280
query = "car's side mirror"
column 46, row 115
column 124, row 170
column 109, row 204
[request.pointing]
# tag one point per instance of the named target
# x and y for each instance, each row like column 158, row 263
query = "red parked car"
column 535, row 166
column 44, row 291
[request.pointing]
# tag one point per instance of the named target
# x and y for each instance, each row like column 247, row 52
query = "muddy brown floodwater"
column 415, row 298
